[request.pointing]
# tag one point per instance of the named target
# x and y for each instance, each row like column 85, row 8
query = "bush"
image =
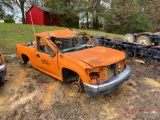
column 9, row 21
column 141, row 23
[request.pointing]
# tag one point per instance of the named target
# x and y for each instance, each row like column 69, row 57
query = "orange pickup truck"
column 76, row 58
column 3, row 68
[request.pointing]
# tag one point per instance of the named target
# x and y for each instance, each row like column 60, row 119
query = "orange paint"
column 83, row 62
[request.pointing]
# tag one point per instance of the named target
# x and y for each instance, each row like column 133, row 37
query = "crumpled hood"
column 98, row 56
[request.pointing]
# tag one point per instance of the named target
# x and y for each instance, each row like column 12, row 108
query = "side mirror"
column 52, row 54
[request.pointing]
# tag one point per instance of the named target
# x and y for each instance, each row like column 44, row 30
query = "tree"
column 35, row 2
column 20, row 4
column 1, row 12
column 11, row 4
column 5, row 5
column 153, row 12
column 66, row 10
column 84, row 11
column 124, row 15
column 93, row 10
column 141, row 23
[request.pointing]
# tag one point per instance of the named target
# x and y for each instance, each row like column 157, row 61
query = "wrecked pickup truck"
column 3, row 68
column 75, row 58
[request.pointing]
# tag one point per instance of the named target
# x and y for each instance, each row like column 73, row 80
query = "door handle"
column 37, row 55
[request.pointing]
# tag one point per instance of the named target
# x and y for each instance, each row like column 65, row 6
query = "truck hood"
column 98, row 56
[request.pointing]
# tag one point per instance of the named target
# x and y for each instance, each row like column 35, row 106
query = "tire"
column 130, row 38
column 29, row 64
column 1, row 81
column 144, row 40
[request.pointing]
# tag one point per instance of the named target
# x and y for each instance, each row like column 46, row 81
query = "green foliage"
column 92, row 10
column 9, row 17
column 1, row 12
column 141, row 23
column 9, row 21
column 71, row 22
column 65, row 10
column 126, row 17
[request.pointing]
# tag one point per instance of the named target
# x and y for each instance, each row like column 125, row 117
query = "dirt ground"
column 29, row 94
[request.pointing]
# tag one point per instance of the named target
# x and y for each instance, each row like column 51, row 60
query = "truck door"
column 46, row 58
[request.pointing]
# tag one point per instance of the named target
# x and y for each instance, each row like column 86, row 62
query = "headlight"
column 96, row 74
column 122, row 64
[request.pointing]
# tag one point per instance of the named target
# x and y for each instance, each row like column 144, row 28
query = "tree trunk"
column 87, row 20
column 97, row 22
column 23, row 14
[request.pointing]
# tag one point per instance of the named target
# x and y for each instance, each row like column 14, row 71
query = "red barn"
column 41, row 16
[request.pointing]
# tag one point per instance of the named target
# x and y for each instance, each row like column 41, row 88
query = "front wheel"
column 78, row 86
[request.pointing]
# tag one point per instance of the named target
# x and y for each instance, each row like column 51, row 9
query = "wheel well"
column 25, row 58
column 69, row 75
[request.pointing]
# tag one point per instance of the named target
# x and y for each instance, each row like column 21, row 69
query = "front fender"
column 75, row 65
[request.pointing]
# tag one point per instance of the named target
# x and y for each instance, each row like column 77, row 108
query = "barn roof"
column 44, row 8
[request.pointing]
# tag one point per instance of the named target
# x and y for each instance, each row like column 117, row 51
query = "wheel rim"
column 128, row 39
column 76, row 87
column 143, row 42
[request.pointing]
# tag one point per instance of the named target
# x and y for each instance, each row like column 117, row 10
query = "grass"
column 12, row 34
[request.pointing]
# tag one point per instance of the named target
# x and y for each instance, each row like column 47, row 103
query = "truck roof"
column 58, row 33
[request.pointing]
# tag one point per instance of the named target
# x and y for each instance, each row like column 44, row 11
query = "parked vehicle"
column 3, row 68
column 132, row 49
column 95, row 69
column 144, row 38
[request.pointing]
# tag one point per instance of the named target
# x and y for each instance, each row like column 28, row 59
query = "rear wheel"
column 1, row 80
column 144, row 40
column 130, row 38
column 29, row 65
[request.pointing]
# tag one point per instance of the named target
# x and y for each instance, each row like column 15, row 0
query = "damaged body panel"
column 98, row 56
column 69, row 58
column 108, row 85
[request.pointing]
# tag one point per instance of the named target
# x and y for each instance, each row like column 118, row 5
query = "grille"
column 113, row 70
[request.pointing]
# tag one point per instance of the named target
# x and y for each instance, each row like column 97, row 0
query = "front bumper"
column 3, row 69
column 109, row 85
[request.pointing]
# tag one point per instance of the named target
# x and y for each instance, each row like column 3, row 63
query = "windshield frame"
column 75, row 41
